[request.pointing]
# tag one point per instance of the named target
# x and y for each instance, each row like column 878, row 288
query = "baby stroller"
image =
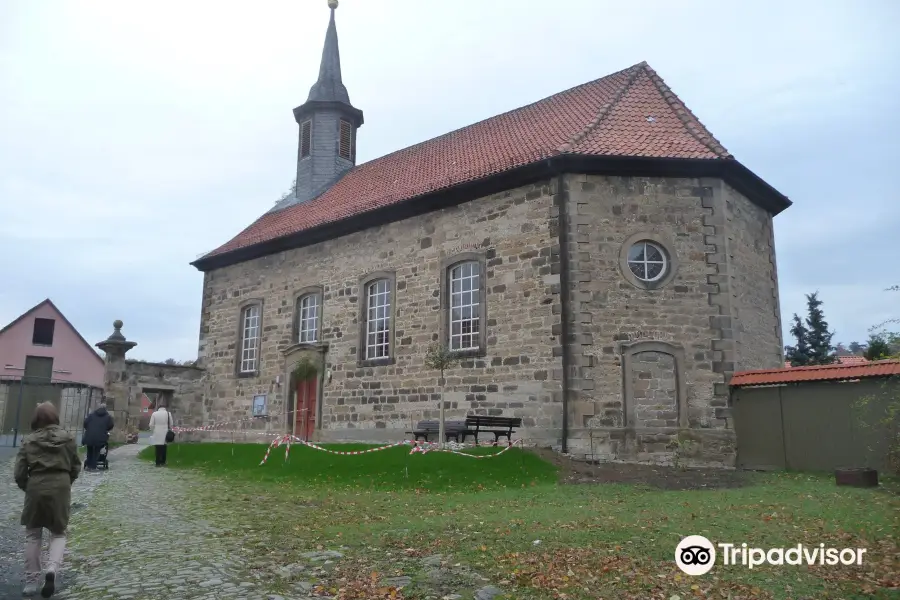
column 103, row 457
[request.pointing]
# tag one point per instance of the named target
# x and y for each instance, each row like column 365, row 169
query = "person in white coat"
column 160, row 424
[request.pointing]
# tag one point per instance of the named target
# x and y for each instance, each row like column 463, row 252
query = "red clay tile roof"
column 843, row 360
column 852, row 360
column 877, row 368
column 631, row 113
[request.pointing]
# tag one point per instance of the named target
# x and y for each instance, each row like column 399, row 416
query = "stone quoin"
column 600, row 260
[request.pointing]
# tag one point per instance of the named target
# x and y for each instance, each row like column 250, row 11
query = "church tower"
column 328, row 124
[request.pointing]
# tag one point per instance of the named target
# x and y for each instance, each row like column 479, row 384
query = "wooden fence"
column 835, row 421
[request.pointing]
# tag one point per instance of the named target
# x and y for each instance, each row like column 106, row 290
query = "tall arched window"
column 378, row 319
column 248, row 360
column 465, row 306
column 308, row 311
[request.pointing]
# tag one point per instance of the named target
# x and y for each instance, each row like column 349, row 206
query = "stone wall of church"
column 649, row 363
column 519, row 375
column 686, row 321
column 754, row 283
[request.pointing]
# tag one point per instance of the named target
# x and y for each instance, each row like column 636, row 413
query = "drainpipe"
column 562, row 201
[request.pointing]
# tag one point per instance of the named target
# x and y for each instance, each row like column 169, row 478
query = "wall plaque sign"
column 645, row 334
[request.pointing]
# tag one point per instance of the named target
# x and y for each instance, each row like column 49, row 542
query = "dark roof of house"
column 632, row 113
column 62, row 316
column 837, row 372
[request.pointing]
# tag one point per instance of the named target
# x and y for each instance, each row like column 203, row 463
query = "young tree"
column 288, row 193
column 440, row 358
column 887, row 342
column 878, row 349
column 813, row 338
column 821, row 352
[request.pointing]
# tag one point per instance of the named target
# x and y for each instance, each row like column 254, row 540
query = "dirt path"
column 662, row 477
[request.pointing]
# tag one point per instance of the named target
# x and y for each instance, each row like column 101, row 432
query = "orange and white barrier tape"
column 417, row 447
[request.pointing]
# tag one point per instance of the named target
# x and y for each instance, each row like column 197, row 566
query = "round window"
column 647, row 261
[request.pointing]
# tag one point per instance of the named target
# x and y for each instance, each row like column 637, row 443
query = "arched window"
column 464, row 303
column 308, row 312
column 378, row 319
column 248, row 360
column 465, row 306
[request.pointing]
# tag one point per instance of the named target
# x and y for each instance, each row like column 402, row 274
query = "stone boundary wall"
column 181, row 388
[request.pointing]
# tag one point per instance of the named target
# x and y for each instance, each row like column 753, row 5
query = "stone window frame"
column 664, row 244
column 307, row 138
column 677, row 353
column 312, row 290
column 447, row 264
column 364, row 282
column 239, row 337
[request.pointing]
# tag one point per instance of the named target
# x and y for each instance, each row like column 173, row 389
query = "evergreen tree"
column 798, row 355
column 813, row 345
column 821, row 352
column 856, row 348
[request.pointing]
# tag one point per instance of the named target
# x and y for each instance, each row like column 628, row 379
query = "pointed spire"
column 328, row 126
column 329, row 87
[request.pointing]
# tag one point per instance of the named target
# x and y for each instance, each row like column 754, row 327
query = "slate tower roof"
column 328, row 124
column 329, row 87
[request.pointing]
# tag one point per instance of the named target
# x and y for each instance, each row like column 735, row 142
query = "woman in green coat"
column 46, row 467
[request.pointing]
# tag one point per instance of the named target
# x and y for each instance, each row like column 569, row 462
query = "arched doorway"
column 304, row 408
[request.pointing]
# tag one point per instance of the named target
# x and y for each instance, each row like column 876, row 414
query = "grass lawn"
column 509, row 520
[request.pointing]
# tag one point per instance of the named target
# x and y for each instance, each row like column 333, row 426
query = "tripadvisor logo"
column 696, row 555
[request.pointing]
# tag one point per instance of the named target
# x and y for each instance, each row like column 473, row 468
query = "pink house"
column 43, row 344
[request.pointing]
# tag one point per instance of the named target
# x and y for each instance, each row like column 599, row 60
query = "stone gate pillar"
column 115, row 382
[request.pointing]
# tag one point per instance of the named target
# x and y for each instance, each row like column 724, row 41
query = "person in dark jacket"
column 46, row 467
column 97, row 426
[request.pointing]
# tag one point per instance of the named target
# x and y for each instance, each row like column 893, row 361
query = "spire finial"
column 329, row 87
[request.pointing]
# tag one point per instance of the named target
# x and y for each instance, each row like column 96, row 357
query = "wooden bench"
column 426, row 429
column 498, row 426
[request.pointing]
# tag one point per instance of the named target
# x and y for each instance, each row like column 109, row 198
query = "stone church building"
column 599, row 260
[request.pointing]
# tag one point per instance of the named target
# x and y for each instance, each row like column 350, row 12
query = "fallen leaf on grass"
column 567, row 573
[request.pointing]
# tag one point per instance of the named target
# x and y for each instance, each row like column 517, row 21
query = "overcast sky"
column 136, row 135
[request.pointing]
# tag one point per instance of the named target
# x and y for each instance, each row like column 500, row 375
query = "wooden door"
column 306, row 408
column 36, row 388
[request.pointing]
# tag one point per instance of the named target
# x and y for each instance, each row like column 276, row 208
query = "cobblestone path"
column 142, row 533
column 148, row 535
column 12, row 534
column 138, row 533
